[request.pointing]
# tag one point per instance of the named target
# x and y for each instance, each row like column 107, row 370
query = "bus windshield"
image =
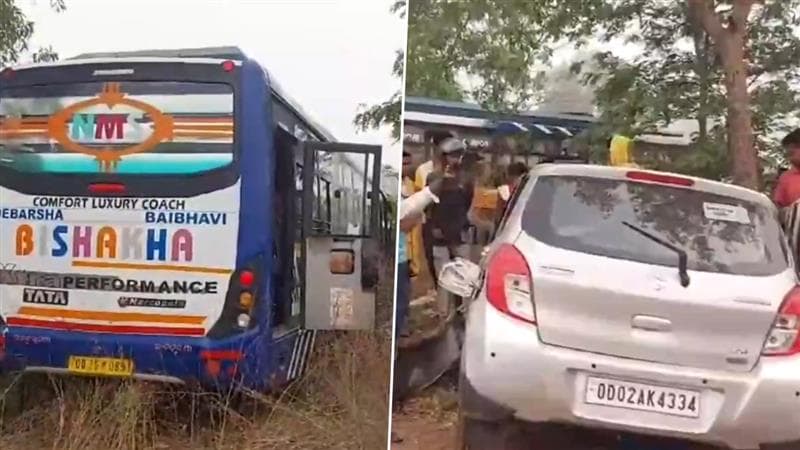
column 136, row 127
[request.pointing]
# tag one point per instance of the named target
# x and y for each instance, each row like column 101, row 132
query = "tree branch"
column 705, row 13
column 741, row 10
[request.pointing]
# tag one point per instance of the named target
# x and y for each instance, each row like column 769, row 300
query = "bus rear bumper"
column 183, row 360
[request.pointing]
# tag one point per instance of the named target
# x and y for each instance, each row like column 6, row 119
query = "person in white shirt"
column 409, row 214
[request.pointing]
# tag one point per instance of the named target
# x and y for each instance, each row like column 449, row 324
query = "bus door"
column 340, row 217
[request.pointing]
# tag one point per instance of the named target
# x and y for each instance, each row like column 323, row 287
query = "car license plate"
column 111, row 367
column 642, row 397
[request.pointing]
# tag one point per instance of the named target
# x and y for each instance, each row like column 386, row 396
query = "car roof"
column 620, row 173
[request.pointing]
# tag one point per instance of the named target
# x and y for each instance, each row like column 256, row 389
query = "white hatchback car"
column 637, row 301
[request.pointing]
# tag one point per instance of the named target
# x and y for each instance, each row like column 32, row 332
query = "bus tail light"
column 214, row 360
column 228, row 66
column 241, row 302
column 107, row 188
column 246, row 300
column 246, row 279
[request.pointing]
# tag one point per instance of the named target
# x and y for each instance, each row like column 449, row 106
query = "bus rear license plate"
column 110, row 367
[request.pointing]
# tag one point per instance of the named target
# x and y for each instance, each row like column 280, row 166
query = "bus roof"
column 210, row 55
column 220, row 53
column 206, row 52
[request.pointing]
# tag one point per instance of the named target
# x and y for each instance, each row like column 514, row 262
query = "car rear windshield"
column 719, row 233
column 137, row 127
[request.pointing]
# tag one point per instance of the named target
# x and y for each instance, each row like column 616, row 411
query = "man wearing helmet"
column 448, row 218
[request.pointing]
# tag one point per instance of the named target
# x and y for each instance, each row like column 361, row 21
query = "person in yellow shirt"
column 414, row 248
column 620, row 151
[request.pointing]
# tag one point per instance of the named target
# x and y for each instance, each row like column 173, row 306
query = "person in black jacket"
column 448, row 219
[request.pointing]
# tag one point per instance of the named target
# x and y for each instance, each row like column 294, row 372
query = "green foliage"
column 16, row 30
column 388, row 112
column 492, row 44
column 487, row 50
column 678, row 75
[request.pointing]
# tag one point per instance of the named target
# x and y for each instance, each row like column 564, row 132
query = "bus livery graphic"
column 108, row 124
column 106, row 131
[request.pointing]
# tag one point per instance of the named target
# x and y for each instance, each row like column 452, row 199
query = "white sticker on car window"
column 727, row 213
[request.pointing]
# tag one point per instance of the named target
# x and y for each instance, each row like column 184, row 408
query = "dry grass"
column 342, row 403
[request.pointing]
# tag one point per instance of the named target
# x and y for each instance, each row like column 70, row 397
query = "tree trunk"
column 703, row 69
column 730, row 42
column 741, row 149
column 703, row 65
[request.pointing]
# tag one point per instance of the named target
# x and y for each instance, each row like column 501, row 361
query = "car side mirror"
column 460, row 277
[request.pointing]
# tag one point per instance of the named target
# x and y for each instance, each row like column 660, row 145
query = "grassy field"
column 341, row 404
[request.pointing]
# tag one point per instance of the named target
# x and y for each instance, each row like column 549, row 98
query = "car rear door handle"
column 651, row 323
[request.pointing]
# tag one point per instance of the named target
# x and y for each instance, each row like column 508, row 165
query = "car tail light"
column 782, row 338
column 228, row 66
column 509, row 286
column 638, row 175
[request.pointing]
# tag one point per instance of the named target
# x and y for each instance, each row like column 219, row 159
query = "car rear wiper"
column 683, row 259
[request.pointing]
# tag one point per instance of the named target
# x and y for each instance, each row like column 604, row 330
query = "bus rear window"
column 142, row 127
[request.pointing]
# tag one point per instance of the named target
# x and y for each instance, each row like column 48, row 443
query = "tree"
column 484, row 50
column 679, row 73
column 730, row 37
column 727, row 64
column 389, row 111
column 16, row 30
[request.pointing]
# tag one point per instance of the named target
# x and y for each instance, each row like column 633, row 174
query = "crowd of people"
column 448, row 203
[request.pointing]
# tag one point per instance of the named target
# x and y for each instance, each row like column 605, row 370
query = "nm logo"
column 45, row 296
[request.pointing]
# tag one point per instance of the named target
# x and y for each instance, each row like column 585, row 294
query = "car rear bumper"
column 507, row 366
column 171, row 359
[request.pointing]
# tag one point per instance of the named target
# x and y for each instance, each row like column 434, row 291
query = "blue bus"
column 175, row 216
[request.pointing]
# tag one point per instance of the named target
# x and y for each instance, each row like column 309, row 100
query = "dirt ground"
column 421, row 434
column 427, row 422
